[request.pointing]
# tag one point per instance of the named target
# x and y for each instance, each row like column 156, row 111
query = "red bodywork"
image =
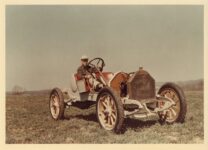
column 106, row 75
column 88, row 86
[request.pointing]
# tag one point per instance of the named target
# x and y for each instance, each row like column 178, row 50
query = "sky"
column 44, row 43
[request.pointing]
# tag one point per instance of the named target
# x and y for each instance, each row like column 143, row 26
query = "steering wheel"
column 95, row 65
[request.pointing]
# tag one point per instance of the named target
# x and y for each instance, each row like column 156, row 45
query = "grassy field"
column 28, row 121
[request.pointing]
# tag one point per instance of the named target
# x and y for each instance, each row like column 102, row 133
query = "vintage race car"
column 120, row 95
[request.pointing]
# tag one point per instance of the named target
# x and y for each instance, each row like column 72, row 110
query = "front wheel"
column 110, row 112
column 56, row 104
column 177, row 112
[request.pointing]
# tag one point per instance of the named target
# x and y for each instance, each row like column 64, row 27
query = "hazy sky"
column 44, row 43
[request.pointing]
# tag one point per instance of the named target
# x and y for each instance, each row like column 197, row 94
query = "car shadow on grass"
column 88, row 117
column 129, row 123
column 135, row 123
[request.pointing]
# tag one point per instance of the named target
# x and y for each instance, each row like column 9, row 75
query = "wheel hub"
column 108, row 111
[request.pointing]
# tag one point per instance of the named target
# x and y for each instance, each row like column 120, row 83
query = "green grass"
column 28, row 121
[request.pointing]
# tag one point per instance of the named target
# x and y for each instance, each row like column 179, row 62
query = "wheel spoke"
column 102, row 115
column 172, row 95
column 176, row 102
column 168, row 94
column 104, row 104
column 56, row 104
column 112, row 119
column 52, row 100
column 112, row 104
column 175, row 97
column 173, row 111
column 52, row 96
column 170, row 116
column 176, row 108
column 108, row 100
column 113, row 115
column 109, row 120
column 51, row 103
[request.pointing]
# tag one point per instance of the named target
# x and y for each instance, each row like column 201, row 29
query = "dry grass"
column 28, row 121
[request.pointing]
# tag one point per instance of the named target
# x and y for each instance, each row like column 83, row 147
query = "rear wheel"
column 110, row 111
column 56, row 104
column 177, row 112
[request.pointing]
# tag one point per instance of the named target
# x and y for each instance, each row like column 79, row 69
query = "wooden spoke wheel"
column 107, row 112
column 110, row 111
column 56, row 104
column 177, row 112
